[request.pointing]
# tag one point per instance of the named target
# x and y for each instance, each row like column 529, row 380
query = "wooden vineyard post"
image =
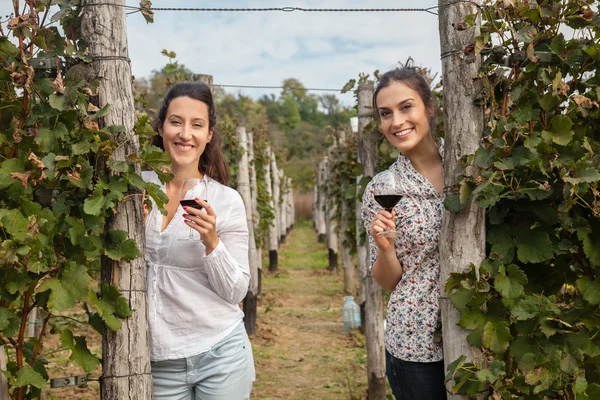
column 368, row 151
column 331, row 227
column 255, row 213
column 273, row 236
column 243, row 187
column 346, row 215
column 125, row 353
column 463, row 233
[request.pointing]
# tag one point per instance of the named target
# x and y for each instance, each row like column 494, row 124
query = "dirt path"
column 300, row 350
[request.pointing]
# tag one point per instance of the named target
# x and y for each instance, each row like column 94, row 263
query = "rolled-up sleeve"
column 227, row 265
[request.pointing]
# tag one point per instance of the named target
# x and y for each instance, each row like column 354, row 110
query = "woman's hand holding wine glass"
column 387, row 194
column 199, row 215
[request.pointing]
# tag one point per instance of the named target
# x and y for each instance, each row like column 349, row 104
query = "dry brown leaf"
column 59, row 84
column 35, row 160
column 75, row 175
column 33, row 227
column 584, row 102
column 92, row 108
column 21, row 176
column 92, row 125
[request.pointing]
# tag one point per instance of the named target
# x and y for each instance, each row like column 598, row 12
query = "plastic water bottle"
column 351, row 314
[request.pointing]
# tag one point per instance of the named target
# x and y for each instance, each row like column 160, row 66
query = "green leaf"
column 584, row 173
column 110, row 305
column 561, row 128
column 94, row 205
column 471, row 319
column 549, row 101
column 483, row 157
column 47, row 138
column 526, row 308
column 533, row 245
column 452, row 202
column 496, row 336
column 8, row 166
column 67, row 290
column 524, row 114
column 79, row 351
column 461, row 297
column 590, row 289
column 28, row 376
column 118, row 246
column 9, row 322
column 528, row 361
column 7, row 48
column 510, row 285
column 593, row 391
column 590, row 246
column 581, row 385
column 518, row 157
column 568, row 363
column 58, row 102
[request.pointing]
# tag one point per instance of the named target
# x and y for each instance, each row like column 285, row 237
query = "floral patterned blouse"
column 413, row 312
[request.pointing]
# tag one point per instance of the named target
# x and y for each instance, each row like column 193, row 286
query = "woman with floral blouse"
column 408, row 265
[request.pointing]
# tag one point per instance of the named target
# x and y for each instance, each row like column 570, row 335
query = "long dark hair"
column 212, row 161
column 409, row 75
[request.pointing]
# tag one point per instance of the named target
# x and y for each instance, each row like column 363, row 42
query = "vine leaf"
column 510, row 282
column 9, row 322
column 533, row 246
column 79, row 351
column 119, row 247
column 496, row 336
column 589, row 289
column 110, row 305
column 67, row 290
column 26, row 375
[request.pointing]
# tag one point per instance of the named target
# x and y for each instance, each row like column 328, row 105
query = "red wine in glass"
column 388, row 201
column 386, row 191
column 192, row 188
column 190, row 203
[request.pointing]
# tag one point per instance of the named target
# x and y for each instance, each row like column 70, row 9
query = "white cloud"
column 323, row 49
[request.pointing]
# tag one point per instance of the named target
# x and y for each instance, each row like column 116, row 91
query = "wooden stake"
column 243, row 187
column 463, row 233
column 369, row 154
column 125, row 353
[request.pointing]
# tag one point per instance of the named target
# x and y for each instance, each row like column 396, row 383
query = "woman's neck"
column 424, row 155
column 179, row 174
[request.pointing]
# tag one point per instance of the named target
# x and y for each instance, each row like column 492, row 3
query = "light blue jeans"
column 225, row 372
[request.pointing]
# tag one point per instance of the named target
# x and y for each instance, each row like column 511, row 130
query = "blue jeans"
column 415, row 381
column 225, row 372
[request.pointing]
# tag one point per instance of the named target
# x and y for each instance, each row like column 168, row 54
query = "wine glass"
column 190, row 189
column 387, row 193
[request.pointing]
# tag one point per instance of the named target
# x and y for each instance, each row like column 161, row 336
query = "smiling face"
column 404, row 116
column 185, row 133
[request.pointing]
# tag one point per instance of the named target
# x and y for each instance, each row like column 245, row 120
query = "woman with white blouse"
column 199, row 348
column 407, row 262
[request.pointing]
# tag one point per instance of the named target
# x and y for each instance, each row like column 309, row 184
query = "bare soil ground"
column 300, row 349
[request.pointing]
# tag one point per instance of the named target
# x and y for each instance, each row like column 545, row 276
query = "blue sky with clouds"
column 323, row 49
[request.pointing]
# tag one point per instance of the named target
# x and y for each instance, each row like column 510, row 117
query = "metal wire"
column 277, row 87
column 428, row 10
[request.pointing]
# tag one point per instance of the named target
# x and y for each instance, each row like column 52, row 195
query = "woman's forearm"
column 387, row 270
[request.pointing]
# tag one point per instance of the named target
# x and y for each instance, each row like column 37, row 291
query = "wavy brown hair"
column 212, row 161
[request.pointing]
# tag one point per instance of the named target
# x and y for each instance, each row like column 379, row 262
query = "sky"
column 321, row 50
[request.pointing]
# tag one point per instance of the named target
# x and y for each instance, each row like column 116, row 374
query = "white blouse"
column 193, row 298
